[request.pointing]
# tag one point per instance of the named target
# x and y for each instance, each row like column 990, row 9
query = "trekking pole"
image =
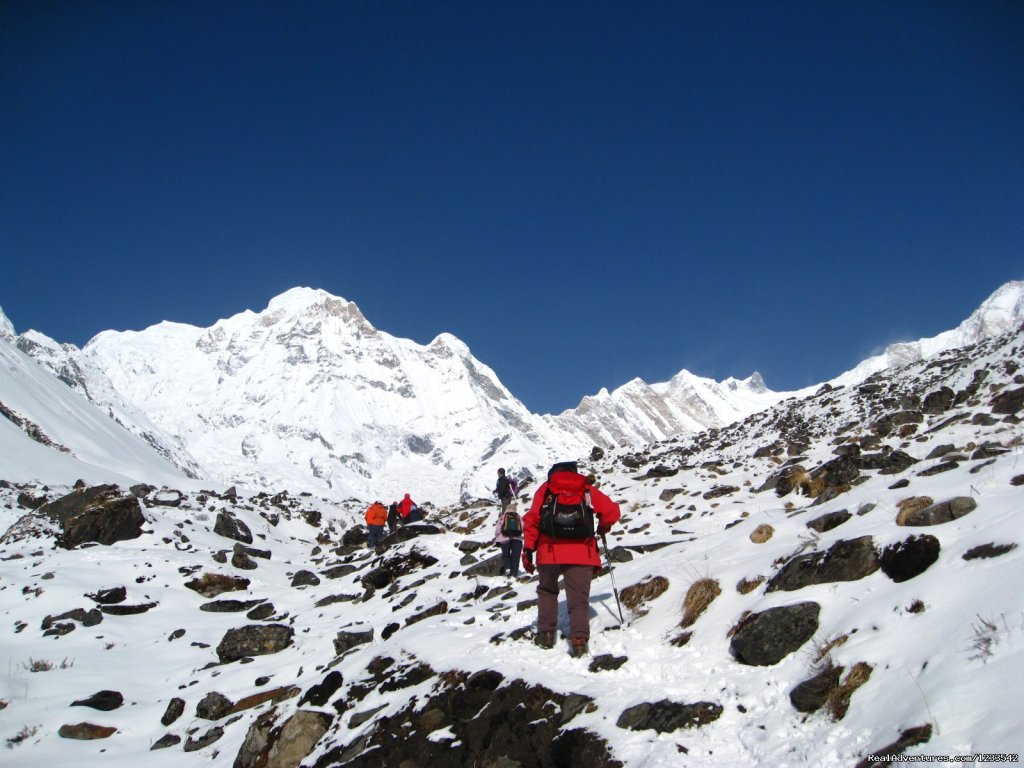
column 611, row 572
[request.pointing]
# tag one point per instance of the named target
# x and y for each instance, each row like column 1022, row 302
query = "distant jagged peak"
column 1000, row 312
column 6, row 327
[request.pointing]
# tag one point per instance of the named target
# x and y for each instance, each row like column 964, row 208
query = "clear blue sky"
column 583, row 192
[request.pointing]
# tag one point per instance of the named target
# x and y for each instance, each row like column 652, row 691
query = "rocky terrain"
column 826, row 580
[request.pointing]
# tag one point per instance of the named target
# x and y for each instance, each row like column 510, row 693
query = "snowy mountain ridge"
column 308, row 394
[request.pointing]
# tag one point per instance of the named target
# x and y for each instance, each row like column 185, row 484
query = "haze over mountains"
column 308, row 394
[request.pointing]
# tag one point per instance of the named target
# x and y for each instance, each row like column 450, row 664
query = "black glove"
column 603, row 529
column 528, row 565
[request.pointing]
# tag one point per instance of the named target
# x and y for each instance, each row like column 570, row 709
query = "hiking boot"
column 579, row 648
column 545, row 639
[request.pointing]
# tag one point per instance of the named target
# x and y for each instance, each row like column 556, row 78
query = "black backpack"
column 511, row 524
column 566, row 521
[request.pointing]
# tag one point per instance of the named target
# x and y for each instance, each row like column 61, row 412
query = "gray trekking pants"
column 577, row 580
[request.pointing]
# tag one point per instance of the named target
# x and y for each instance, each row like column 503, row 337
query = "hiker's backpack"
column 513, row 486
column 511, row 524
column 569, row 519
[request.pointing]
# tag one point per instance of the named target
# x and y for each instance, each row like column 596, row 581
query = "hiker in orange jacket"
column 575, row 560
column 376, row 517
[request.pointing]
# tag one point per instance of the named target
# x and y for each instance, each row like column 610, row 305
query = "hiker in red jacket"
column 575, row 559
column 409, row 511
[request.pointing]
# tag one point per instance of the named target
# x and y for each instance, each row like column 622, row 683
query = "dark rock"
column 767, row 637
column 939, row 401
column 213, row 706
column 847, row 560
column 193, row 744
column 943, row 512
column 86, row 731
column 660, row 470
column 28, row 501
column 321, row 693
column 435, row 610
column 242, row 561
column 254, row 640
column 105, row 701
column 142, row 490
column 721, row 490
column 261, row 612
column 988, row 451
column 213, row 584
column 230, row 527
column 1008, row 402
column 596, row 453
column 829, row 521
column 911, row 737
column 167, row 740
column 305, row 579
column 348, row 639
column 378, row 578
column 489, row 567
column 988, row 550
column 666, row 716
column 337, row 571
column 86, row 618
column 938, row 469
column 910, row 557
column 127, row 610
column 524, row 725
column 175, row 709
column 110, row 596
column 102, row 514
column 607, row 662
column 811, row 695
column 229, row 606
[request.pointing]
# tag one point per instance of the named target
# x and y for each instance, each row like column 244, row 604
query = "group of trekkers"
column 398, row 513
column 556, row 539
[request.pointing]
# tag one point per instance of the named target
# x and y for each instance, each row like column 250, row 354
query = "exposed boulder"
column 254, row 640
column 829, row 521
column 213, row 706
column 943, row 512
column 524, row 726
column 846, row 560
column 213, row 584
column 102, row 514
column 86, row 731
column 812, row 694
column 766, row 638
column 290, row 744
column 105, row 701
column 666, row 716
column 231, row 527
column 910, row 557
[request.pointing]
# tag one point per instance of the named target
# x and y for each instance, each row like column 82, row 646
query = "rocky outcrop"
column 766, row 638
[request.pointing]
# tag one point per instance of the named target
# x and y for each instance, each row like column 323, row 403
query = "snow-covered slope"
column 49, row 433
column 911, row 626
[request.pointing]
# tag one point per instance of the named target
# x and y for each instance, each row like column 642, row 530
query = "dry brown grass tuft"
column 823, row 648
column 762, row 533
column 746, row 586
column 637, row 594
column 698, row 597
column 910, row 505
column 839, row 697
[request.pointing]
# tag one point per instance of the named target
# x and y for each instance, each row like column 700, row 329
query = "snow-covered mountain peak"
column 6, row 327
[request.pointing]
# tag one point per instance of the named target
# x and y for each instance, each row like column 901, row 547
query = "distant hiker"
column 561, row 528
column 409, row 511
column 505, row 489
column 393, row 516
column 376, row 516
column 508, row 532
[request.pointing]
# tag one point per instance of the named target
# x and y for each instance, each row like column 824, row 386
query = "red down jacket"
column 568, row 551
